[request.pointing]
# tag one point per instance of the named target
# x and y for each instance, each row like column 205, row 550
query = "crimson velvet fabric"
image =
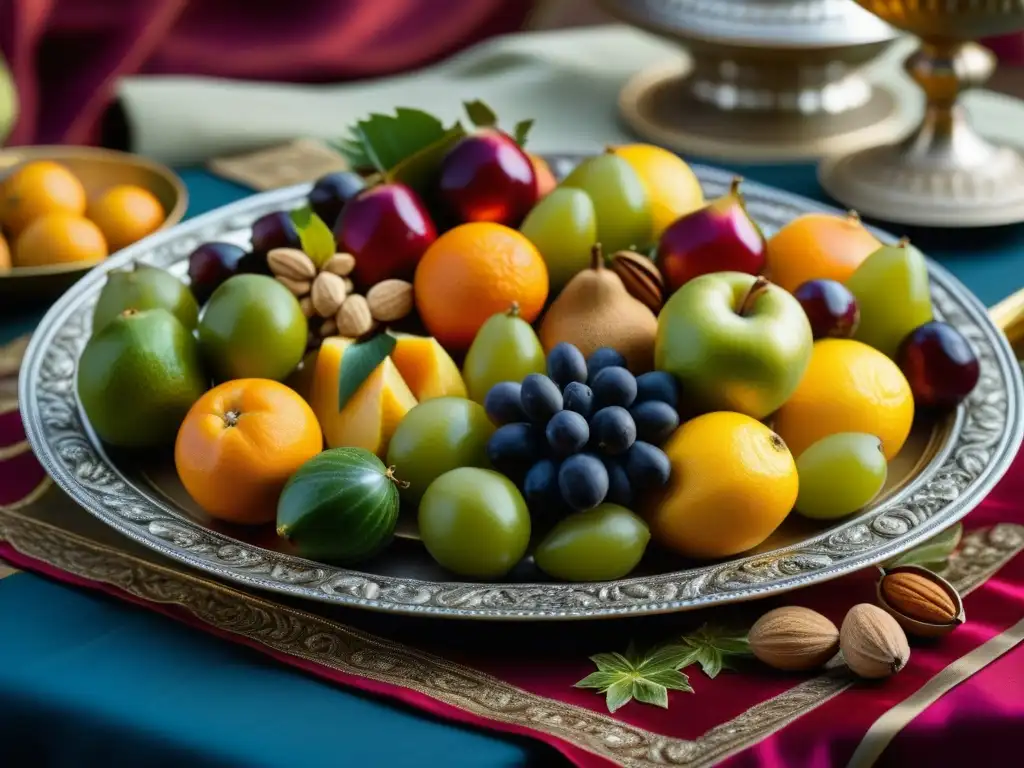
column 67, row 55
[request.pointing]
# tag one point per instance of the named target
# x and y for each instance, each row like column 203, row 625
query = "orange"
column 848, row 387
column 733, row 482
column 37, row 188
column 239, row 444
column 472, row 272
column 126, row 213
column 59, row 238
column 5, row 255
column 818, row 246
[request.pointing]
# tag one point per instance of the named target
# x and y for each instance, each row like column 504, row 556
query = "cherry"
column 211, row 264
column 330, row 193
column 830, row 307
column 487, row 177
column 387, row 229
column 939, row 364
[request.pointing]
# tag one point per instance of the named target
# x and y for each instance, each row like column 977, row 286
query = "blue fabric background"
column 86, row 680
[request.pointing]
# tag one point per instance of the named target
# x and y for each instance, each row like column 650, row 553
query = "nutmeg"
column 794, row 638
column 922, row 602
column 873, row 644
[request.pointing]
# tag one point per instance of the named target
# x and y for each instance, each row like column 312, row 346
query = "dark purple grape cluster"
column 587, row 432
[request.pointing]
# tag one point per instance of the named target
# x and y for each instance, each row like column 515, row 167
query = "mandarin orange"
column 240, row 443
column 126, row 213
column 475, row 271
column 818, row 246
column 38, row 188
column 59, row 238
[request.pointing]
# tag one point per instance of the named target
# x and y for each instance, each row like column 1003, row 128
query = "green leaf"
column 714, row 647
column 480, row 114
column 521, row 131
column 419, row 170
column 647, row 692
column 383, row 141
column 619, row 694
column 315, row 236
column 646, row 677
column 359, row 360
column 933, row 552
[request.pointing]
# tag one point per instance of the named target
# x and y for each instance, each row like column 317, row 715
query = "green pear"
column 144, row 287
column 506, row 348
column 138, row 377
column 563, row 226
column 892, row 292
column 735, row 342
column 620, row 200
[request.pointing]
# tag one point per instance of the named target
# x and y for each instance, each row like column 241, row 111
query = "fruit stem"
column 734, row 187
column 760, row 286
column 853, row 217
column 231, row 418
column 390, row 474
column 903, row 242
column 129, row 312
column 513, row 310
column 596, row 257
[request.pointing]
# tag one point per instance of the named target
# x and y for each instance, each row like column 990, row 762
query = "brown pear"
column 595, row 310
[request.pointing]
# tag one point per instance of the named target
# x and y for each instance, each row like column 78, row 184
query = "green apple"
column 735, row 342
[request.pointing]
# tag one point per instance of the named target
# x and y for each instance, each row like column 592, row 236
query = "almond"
column 306, row 305
column 794, row 638
column 298, row 287
column 390, row 300
column 291, row 263
column 641, row 277
column 328, row 293
column 340, row 264
column 354, row 318
column 328, row 328
column 873, row 644
column 918, row 598
column 350, row 287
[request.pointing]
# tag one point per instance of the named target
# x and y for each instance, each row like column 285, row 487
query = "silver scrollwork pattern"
column 976, row 451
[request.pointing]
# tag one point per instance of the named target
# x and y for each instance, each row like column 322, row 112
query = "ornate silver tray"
column 945, row 470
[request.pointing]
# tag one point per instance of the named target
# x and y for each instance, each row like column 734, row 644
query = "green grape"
column 620, row 201
column 563, row 226
column 474, row 522
column 600, row 544
column 840, row 474
column 436, row 436
column 506, row 348
column 891, row 288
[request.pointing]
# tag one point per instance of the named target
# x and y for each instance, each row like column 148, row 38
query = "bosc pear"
column 595, row 310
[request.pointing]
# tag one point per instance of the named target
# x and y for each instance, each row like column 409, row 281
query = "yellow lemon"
column 672, row 187
column 848, row 387
column 733, row 482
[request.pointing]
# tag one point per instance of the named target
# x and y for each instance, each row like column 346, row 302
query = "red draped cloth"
column 67, row 55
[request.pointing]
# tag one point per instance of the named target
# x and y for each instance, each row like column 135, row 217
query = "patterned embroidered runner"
column 519, row 678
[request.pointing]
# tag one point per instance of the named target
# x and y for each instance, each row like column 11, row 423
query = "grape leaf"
column 315, row 236
column 383, row 141
column 714, row 647
column 480, row 114
column 359, row 360
column 645, row 677
column 521, row 131
column 934, row 552
column 419, row 169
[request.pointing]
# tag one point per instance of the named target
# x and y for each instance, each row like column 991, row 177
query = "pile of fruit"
column 47, row 217
column 573, row 370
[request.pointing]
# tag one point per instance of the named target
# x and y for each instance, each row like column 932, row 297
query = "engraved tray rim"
column 982, row 441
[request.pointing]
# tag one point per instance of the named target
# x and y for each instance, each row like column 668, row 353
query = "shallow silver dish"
column 945, row 470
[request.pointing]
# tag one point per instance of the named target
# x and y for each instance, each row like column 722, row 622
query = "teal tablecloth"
column 85, row 680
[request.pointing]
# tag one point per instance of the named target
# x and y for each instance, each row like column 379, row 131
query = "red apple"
column 720, row 237
column 387, row 229
column 487, row 177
